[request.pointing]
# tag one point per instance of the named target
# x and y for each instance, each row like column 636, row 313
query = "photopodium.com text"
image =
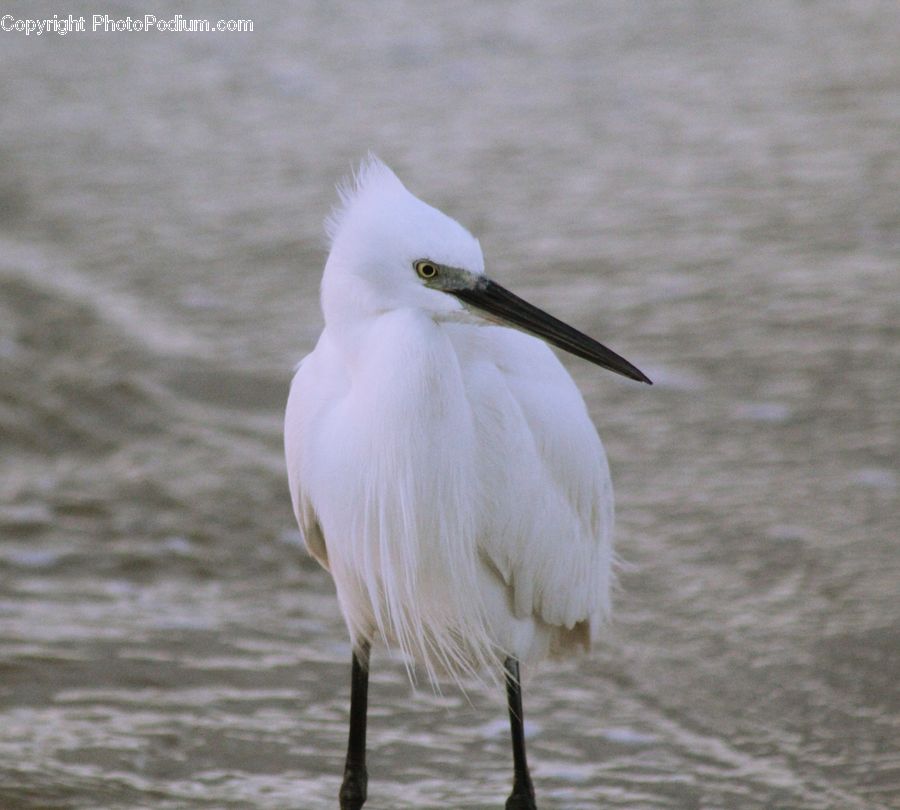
column 104, row 23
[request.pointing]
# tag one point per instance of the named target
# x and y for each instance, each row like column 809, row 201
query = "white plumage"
column 443, row 468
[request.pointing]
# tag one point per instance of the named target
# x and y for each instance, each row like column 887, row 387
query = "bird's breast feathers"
column 443, row 446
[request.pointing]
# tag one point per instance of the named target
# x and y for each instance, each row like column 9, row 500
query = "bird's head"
column 390, row 250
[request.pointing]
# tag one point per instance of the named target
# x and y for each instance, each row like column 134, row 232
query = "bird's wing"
column 299, row 413
column 543, row 476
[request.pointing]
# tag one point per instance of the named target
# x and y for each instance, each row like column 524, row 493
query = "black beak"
column 491, row 298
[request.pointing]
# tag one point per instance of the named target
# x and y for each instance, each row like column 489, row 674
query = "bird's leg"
column 353, row 788
column 522, row 797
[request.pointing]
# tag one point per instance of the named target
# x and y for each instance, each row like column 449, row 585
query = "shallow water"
column 711, row 189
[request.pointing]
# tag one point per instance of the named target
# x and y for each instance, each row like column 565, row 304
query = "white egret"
column 442, row 466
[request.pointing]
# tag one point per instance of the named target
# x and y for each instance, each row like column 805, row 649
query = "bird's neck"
column 349, row 312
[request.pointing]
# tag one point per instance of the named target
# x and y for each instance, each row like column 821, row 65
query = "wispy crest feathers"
column 371, row 174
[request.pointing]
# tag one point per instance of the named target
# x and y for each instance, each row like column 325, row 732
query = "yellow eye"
column 425, row 269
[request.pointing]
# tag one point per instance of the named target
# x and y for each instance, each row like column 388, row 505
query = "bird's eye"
column 425, row 269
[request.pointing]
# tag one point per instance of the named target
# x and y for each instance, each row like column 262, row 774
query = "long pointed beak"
column 491, row 298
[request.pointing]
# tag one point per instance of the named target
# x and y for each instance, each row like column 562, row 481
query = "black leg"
column 522, row 797
column 353, row 788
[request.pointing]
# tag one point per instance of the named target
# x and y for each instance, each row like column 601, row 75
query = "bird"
column 442, row 464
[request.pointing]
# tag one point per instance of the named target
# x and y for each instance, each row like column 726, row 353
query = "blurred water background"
column 711, row 188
